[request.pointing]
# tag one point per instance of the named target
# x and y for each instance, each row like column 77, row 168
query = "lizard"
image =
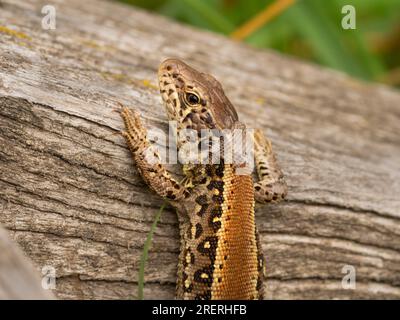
column 220, row 257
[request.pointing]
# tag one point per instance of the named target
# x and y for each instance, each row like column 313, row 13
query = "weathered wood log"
column 71, row 197
column 18, row 278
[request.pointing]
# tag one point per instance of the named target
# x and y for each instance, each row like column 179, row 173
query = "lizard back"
column 219, row 249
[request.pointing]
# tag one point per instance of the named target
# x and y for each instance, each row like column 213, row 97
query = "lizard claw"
column 118, row 108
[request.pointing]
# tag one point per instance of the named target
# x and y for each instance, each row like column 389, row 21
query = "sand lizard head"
column 195, row 100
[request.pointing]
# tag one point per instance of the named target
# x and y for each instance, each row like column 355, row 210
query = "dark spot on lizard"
column 203, row 210
column 199, row 231
column 219, row 185
column 170, row 195
column 204, row 275
column 189, row 231
column 208, row 247
column 202, row 200
column 208, row 119
column 220, row 171
column 259, row 284
column 203, row 180
column 204, row 296
column 192, row 258
column 188, row 253
column 218, row 198
column 214, row 219
column 209, row 170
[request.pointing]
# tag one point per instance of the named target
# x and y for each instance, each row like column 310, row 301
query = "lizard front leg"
column 271, row 186
column 148, row 160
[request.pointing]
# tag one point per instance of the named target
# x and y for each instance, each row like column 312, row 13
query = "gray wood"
column 71, row 197
column 18, row 278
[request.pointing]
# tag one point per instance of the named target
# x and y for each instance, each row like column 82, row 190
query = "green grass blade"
column 356, row 39
column 324, row 38
column 217, row 21
column 145, row 253
column 372, row 63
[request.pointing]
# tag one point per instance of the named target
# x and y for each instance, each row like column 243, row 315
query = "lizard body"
column 221, row 256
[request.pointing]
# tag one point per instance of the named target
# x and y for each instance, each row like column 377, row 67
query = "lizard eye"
column 192, row 98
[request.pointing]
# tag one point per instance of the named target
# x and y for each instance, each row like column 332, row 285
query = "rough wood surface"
column 72, row 199
column 18, row 278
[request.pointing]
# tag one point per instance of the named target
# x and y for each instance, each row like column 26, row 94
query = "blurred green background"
column 309, row 29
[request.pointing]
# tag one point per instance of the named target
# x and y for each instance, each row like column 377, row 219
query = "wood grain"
column 71, row 197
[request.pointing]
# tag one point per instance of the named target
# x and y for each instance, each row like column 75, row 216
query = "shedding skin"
column 220, row 257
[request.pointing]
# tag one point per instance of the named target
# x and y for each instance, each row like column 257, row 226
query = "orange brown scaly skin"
column 220, row 255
